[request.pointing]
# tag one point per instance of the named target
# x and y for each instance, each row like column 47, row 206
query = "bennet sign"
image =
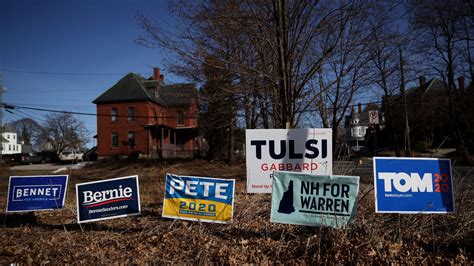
column 33, row 193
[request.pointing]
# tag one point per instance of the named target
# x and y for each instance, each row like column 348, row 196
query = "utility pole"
column 2, row 90
column 405, row 111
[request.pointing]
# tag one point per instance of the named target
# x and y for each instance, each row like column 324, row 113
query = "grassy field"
column 52, row 237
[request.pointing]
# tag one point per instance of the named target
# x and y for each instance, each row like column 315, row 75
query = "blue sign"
column 199, row 198
column 33, row 193
column 413, row 185
column 107, row 199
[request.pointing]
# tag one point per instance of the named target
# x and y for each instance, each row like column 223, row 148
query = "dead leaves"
column 251, row 238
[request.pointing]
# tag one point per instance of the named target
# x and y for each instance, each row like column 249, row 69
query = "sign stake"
column 433, row 234
column 400, row 228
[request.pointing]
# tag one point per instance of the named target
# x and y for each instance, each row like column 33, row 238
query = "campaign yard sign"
column 199, row 198
column 314, row 200
column 34, row 193
column 107, row 199
column 295, row 150
column 413, row 185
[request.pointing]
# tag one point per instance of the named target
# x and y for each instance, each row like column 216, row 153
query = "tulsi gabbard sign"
column 33, row 193
column 199, row 198
column 295, row 150
column 107, row 199
column 314, row 200
column 413, row 185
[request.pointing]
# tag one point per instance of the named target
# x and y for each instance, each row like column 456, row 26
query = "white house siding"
column 11, row 146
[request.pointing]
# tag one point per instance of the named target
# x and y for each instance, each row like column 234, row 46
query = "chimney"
column 359, row 105
column 156, row 73
column 422, row 80
column 162, row 78
column 461, row 84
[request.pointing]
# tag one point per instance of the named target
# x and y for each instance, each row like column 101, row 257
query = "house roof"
column 133, row 87
column 364, row 115
column 8, row 128
column 3, row 139
column 434, row 85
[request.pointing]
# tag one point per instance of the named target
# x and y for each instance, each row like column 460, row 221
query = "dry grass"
column 54, row 237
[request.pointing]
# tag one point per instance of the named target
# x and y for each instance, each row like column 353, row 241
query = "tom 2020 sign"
column 413, row 185
column 199, row 198
column 295, row 150
column 107, row 199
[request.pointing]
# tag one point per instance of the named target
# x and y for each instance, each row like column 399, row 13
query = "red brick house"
column 147, row 117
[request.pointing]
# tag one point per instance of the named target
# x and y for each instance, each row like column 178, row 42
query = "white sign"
column 296, row 150
column 373, row 117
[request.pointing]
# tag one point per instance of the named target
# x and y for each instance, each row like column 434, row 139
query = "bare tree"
column 440, row 28
column 61, row 131
column 383, row 46
column 345, row 71
column 273, row 45
column 28, row 131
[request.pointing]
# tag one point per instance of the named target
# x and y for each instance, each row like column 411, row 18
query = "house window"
column 114, row 115
column 9, row 147
column 131, row 114
column 114, row 139
column 13, row 136
column 180, row 118
column 8, row 136
column 131, row 139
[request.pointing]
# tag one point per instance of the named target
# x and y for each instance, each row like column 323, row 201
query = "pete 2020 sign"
column 199, row 198
column 33, row 193
column 413, row 185
column 107, row 199
column 295, row 150
column 314, row 200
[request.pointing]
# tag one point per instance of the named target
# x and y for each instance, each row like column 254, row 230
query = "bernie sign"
column 107, row 199
column 34, row 193
column 413, row 185
column 199, row 198
column 314, row 200
column 295, row 150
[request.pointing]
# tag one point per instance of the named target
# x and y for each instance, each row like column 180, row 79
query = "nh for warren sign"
column 314, row 200
column 295, row 150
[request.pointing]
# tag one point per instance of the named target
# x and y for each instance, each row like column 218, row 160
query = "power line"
column 66, row 73
column 13, row 106
column 342, row 107
column 55, row 105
